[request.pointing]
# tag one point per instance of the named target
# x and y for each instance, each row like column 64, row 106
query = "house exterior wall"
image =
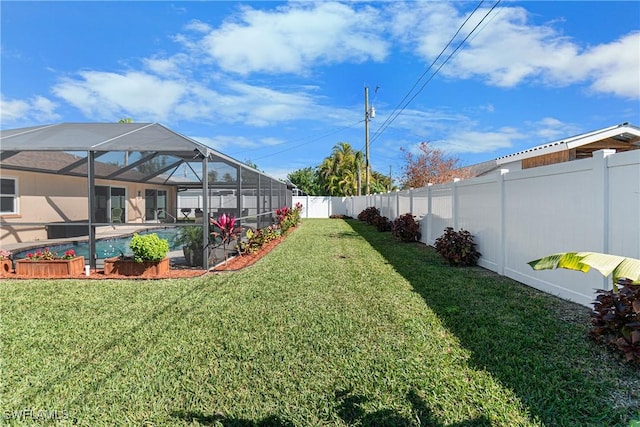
column 549, row 159
column 49, row 198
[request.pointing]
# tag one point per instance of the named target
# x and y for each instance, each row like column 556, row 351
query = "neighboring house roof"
column 69, row 164
column 622, row 137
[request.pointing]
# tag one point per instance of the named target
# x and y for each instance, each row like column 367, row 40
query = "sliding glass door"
column 110, row 204
column 155, row 205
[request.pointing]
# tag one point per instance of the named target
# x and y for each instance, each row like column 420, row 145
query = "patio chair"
column 116, row 215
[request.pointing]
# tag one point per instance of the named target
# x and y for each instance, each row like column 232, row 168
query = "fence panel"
column 585, row 205
column 440, row 213
column 314, row 206
column 624, row 204
column 420, row 198
column 404, row 202
column 546, row 213
column 479, row 211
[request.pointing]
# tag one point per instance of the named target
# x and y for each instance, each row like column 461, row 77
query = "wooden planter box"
column 5, row 267
column 54, row 267
column 128, row 267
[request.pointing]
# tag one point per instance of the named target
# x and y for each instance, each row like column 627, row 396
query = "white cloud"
column 146, row 97
column 36, row 109
column 226, row 143
column 549, row 129
column 105, row 96
column 473, row 141
column 278, row 173
column 167, row 67
column 13, row 109
column 198, row 26
column 614, row 68
column 508, row 50
column 293, row 38
column 271, row 141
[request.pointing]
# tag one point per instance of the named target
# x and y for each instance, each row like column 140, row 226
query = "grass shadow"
column 351, row 412
column 349, row 408
column 219, row 419
column 522, row 336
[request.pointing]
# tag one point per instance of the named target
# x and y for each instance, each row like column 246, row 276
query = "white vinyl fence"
column 585, row 205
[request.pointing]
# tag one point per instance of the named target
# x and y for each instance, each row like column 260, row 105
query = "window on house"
column 8, row 196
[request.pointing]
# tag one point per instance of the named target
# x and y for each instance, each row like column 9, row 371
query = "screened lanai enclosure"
column 79, row 182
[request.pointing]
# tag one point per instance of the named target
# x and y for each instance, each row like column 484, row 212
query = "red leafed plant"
column 369, row 214
column 226, row 231
column 406, row 228
column 457, row 247
column 287, row 218
column 616, row 319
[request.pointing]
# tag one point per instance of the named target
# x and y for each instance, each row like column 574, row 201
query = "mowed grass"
column 339, row 325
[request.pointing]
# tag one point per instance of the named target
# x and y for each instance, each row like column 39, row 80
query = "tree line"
column 343, row 172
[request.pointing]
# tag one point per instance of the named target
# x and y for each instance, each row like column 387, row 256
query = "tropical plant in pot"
column 148, row 247
column 191, row 238
column 149, row 257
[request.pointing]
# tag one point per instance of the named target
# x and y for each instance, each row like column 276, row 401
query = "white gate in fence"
column 585, row 205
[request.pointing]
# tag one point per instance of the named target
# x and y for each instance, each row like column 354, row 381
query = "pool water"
column 106, row 248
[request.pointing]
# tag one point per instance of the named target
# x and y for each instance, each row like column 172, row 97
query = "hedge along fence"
column 515, row 217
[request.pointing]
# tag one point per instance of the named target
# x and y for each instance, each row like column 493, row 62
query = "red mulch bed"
column 241, row 261
column 236, row 263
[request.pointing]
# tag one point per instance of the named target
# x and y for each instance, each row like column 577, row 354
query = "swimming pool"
column 106, row 248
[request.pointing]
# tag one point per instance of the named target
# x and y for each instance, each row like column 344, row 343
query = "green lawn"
column 339, row 325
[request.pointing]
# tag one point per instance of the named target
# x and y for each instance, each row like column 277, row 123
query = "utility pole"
column 367, row 116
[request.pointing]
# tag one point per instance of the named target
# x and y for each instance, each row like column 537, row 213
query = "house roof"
column 100, row 137
column 621, row 137
column 59, row 148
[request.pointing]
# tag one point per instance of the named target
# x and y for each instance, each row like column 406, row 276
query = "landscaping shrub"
column 369, row 214
column 286, row 218
column 148, row 247
column 406, row 228
column 616, row 319
column 258, row 238
column 457, row 247
column 382, row 223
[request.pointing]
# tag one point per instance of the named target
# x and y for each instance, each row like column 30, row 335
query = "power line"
column 427, row 70
column 314, row 139
column 394, row 115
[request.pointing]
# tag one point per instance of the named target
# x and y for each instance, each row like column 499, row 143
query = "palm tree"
column 341, row 172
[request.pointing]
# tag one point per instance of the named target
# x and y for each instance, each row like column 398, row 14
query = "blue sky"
column 280, row 83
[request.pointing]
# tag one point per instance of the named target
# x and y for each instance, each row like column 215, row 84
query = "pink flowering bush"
column 5, row 254
column 47, row 255
column 41, row 255
column 69, row 254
